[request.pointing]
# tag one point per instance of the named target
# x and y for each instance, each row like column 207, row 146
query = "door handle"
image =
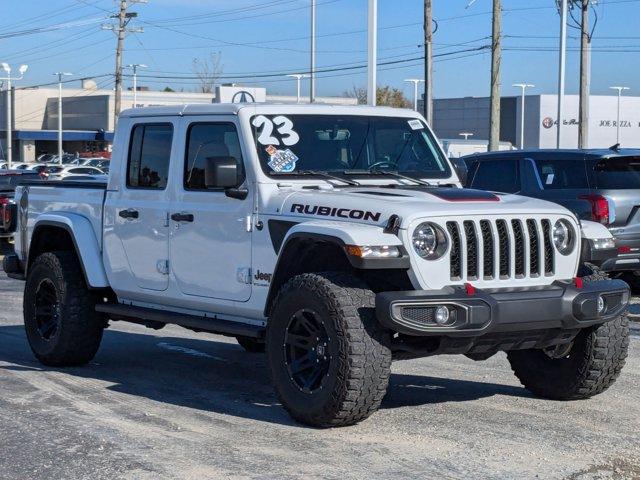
column 128, row 213
column 182, row 217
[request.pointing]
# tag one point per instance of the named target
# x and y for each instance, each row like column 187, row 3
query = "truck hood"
column 374, row 205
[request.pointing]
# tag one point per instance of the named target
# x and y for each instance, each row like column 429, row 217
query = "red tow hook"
column 578, row 282
column 471, row 290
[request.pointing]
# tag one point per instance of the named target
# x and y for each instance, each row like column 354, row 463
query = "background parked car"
column 9, row 180
column 598, row 185
column 62, row 172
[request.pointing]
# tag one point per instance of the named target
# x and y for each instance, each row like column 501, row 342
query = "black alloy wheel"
column 306, row 350
column 47, row 311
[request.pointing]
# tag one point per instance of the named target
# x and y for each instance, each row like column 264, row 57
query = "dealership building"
column 453, row 116
column 88, row 114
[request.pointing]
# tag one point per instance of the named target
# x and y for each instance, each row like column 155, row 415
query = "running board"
column 158, row 319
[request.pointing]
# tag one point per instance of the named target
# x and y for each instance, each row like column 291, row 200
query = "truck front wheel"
column 62, row 326
column 329, row 358
column 582, row 369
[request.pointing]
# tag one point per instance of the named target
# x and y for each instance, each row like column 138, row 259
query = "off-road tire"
column 360, row 358
column 591, row 366
column 80, row 327
column 251, row 345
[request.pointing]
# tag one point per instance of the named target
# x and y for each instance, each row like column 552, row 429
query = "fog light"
column 601, row 305
column 442, row 315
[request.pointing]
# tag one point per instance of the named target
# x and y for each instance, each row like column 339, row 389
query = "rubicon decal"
column 336, row 212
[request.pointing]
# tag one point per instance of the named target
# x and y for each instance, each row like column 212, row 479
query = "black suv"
column 598, row 185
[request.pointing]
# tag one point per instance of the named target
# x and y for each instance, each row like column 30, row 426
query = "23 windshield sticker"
column 280, row 160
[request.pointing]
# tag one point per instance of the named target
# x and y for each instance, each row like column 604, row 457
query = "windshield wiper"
column 388, row 173
column 319, row 174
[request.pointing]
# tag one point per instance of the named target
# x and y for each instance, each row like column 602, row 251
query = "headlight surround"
column 429, row 241
column 564, row 236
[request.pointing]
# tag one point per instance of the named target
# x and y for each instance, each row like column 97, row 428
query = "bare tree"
column 208, row 70
column 359, row 93
column 385, row 96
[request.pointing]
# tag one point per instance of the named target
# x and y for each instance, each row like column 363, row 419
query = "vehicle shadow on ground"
column 213, row 376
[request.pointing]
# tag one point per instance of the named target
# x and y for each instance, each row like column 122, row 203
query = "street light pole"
column 298, row 77
column 620, row 90
column 415, row 82
column 60, row 75
column 373, row 52
column 8, row 78
column 135, row 67
column 561, row 67
column 523, row 86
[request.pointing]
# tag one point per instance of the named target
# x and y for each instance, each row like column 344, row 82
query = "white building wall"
column 602, row 121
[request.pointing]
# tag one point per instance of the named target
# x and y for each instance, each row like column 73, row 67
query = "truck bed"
column 84, row 198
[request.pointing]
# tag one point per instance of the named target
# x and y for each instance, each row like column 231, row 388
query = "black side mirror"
column 221, row 172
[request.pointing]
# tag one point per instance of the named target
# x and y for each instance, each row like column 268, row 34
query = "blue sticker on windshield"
column 281, row 160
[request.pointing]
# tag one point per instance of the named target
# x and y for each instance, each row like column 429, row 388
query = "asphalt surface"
column 174, row 404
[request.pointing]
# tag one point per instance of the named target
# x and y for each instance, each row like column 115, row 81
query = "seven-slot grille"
column 500, row 249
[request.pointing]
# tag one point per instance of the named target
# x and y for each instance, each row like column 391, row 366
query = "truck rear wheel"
column 62, row 326
column 329, row 358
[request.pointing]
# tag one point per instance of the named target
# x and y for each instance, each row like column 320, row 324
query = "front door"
column 210, row 245
column 136, row 215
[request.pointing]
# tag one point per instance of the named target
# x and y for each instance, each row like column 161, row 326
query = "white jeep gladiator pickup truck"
column 336, row 238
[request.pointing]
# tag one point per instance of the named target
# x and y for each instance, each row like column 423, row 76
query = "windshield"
column 617, row 173
column 347, row 144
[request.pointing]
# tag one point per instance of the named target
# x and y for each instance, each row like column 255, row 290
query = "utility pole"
column 60, row 150
column 123, row 18
column 585, row 75
column 372, row 66
column 496, row 52
column 428, row 62
column 312, row 82
column 561, row 68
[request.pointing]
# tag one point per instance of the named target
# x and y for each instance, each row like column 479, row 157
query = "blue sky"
column 270, row 37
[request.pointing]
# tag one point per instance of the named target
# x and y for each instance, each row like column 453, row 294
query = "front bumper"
column 627, row 255
column 562, row 305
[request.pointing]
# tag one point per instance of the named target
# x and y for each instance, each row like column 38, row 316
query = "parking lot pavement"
column 172, row 404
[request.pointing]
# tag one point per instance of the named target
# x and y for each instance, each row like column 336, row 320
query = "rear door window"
column 497, row 176
column 149, row 155
column 560, row 174
column 617, row 173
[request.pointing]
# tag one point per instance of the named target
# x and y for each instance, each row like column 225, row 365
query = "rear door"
column 136, row 214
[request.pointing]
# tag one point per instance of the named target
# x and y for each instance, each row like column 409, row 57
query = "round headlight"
column 429, row 241
column 564, row 237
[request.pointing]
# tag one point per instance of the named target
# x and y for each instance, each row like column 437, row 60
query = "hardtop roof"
column 234, row 109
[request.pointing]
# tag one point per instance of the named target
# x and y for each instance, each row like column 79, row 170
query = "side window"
column 497, row 176
column 149, row 155
column 207, row 140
